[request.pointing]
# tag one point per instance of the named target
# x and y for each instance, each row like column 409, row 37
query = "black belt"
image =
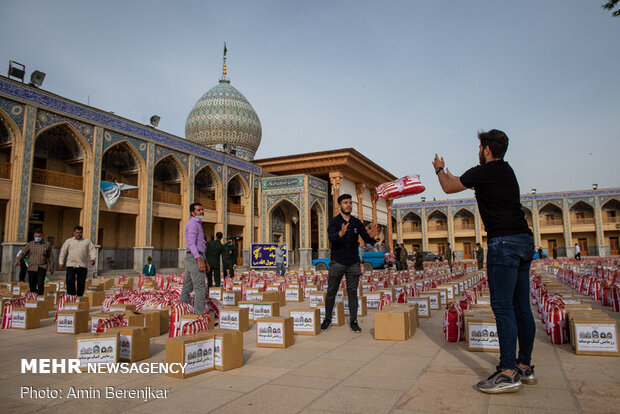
column 200, row 253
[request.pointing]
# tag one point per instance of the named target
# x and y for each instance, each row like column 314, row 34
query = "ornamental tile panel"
column 14, row 110
column 200, row 163
column 47, row 119
column 110, row 138
column 317, row 184
column 162, row 152
column 283, row 182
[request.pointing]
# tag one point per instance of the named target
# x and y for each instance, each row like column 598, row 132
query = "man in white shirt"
column 76, row 252
column 577, row 251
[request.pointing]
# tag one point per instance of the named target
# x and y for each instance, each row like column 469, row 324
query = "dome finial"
column 224, row 78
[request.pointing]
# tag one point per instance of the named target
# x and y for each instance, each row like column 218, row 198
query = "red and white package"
column 404, row 186
column 111, row 322
column 453, row 327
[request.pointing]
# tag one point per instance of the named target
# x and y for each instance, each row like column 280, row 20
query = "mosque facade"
column 56, row 153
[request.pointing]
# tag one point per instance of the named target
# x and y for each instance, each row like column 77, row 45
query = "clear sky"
column 396, row 80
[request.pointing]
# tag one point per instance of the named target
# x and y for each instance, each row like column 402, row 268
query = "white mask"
column 200, row 218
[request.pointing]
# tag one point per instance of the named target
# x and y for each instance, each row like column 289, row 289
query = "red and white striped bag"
column 63, row 299
column 7, row 314
column 111, row 322
column 176, row 311
column 453, row 327
column 200, row 324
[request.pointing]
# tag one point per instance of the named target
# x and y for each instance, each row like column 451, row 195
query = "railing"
column 166, row 197
column 585, row 220
column 549, row 223
column 235, row 208
column 133, row 193
column 411, row 227
column 57, row 179
column 461, row 226
column 207, row 204
column 5, row 169
column 611, row 220
column 440, row 227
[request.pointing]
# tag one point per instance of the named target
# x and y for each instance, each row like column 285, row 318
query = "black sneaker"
column 500, row 382
column 355, row 327
column 527, row 375
column 325, row 324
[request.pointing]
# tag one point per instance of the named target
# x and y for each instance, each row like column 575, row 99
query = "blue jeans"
column 508, row 267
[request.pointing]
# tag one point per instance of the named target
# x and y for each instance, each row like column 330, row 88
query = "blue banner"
column 264, row 255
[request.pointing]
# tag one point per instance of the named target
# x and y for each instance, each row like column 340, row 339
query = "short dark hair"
column 219, row 235
column 80, row 228
column 192, row 206
column 344, row 197
column 38, row 230
column 496, row 140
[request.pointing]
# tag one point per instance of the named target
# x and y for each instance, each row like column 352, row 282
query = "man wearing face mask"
column 40, row 257
column 195, row 265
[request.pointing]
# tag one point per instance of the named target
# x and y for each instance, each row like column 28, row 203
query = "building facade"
column 590, row 219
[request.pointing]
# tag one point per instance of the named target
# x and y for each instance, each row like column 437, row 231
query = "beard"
column 481, row 158
column 346, row 213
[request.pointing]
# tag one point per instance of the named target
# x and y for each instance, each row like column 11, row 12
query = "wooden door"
column 441, row 249
column 239, row 244
column 467, row 250
column 614, row 248
column 551, row 244
column 583, row 245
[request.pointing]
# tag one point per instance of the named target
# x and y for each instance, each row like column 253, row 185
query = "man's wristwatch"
column 438, row 169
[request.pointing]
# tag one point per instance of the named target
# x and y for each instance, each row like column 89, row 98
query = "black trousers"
column 214, row 273
column 36, row 279
column 74, row 273
column 336, row 272
column 23, row 271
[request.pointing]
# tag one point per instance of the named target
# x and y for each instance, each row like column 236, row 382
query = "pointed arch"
column 11, row 126
column 576, row 202
column 87, row 151
column 244, row 185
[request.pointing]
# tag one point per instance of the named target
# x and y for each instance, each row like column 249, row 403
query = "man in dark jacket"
column 214, row 253
column 229, row 257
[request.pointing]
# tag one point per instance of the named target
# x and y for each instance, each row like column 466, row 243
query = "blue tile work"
column 47, row 119
column 283, row 182
column 25, row 184
column 588, row 200
column 150, row 165
column 200, row 163
column 14, row 110
column 111, row 138
column 246, row 176
column 322, row 201
column 257, row 182
column 162, row 152
column 94, row 215
column 63, row 106
column 317, row 184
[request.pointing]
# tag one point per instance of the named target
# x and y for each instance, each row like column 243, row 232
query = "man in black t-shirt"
column 509, row 255
column 344, row 231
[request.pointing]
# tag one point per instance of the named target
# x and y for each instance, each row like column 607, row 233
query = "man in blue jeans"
column 344, row 231
column 509, row 255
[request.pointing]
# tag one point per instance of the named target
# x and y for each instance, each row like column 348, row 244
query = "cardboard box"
column 443, row 294
column 266, row 310
column 412, row 317
column 294, row 294
column 134, row 319
column 310, row 288
column 134, row 343
column 481, row 334
column 362, row 308
column 194, row 350
column 122, row 307
column 152, row 320
column 337, row 313
column 164, row 320
column 94, row 319
column 373, row 299
column 40, row 307
column 392, row 324
column 231, row 298
column 433, row 298
column 423, row 309
column 282, row 298
column 188, row 317
column 249, row 304
column 72, row 322
column 316, row 298
column 228, row 350
column 216, row 292
column 97, row 348
column 237, row 319
column 275, row 332
column 25, row 318
column 73, row 306
column 595, row 336
column 95, row 298
column 306, row 321
column 47, row 302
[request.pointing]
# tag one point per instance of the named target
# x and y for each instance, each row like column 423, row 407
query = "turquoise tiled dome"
column 224, row 116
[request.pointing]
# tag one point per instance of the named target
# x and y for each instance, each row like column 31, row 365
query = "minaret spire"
column 224, row 78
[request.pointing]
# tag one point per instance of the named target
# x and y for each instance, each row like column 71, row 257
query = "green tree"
column 611, row 5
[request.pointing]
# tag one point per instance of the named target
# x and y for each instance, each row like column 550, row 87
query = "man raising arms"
column 509, row 256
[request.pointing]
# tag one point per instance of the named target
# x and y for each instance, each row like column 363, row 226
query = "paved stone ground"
column 336, row 371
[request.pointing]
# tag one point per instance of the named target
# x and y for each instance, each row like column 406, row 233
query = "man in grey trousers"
column 195, row 263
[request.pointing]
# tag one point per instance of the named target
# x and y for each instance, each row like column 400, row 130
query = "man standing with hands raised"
column 344, row 231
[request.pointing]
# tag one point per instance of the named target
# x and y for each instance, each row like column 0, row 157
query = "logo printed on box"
column 19, row 319
column 422, row 305
column 303, row 321
column 124, row 351
column 96, row 351
column 292, row 294
column 66, row 324
column 262, row 311
column 199, row 356
column 217, row 352
column 482, row 335
column 228, row 298
column 229, row 320
column 270, row 332
column 595, row 337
